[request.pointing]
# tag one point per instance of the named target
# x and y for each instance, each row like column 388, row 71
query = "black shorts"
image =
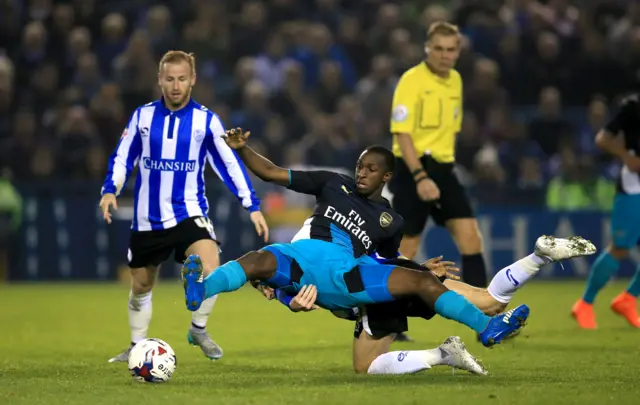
column 151, row 248
column 453, row 202
column 380, row 320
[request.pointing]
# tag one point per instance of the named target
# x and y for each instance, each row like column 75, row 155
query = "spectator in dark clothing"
column 316, row 75
column 549, row 128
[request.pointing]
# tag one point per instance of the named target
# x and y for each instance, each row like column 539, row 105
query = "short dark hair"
column 389, row 159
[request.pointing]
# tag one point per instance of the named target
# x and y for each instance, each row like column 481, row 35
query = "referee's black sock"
column 474, row 271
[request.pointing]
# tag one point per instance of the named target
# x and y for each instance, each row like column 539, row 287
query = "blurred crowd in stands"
column 313, row 81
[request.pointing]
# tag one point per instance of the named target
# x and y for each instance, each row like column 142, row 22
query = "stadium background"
column 313, row 80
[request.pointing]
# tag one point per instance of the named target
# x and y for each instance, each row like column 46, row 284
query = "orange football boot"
column 626, row 305
column 583, row 313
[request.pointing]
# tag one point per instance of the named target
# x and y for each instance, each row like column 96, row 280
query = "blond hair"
column 178, row 56
column 443, row 28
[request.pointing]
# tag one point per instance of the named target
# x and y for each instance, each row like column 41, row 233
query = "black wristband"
column 417, row 172
column 421, row 179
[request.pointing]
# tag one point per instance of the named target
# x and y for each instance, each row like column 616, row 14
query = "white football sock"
column 140, row 310
column 508, row 280
column 406, row 362
column 199, row 318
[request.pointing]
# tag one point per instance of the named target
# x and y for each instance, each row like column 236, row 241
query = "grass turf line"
column 56, row 340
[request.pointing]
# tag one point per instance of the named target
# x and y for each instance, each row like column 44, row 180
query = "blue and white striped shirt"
column 170, row 148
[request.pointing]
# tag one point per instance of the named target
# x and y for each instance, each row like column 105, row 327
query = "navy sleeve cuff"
column 108, row 190
column 284, row 298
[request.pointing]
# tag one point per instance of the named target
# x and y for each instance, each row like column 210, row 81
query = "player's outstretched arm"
column 124, row 158
column 262, row 167
column 231, row 171
column 229, row 168
column 121, row 163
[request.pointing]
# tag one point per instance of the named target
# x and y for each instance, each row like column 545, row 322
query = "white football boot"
column 455, row 354
column 558, row 249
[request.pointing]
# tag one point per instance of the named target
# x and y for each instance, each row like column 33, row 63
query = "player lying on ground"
column 367, row 347
column 351, row 221
column 378, row 324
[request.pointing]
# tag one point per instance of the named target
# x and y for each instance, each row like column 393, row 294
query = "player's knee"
column 207, row 250
column 141, row 285
column 428, row 283
column 258, row 265
column 413, row 283
column 142, row 280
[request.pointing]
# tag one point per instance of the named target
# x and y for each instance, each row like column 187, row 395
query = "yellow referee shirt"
column 429, row 108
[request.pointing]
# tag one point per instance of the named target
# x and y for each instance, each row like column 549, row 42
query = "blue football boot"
column 504, row 325
column 193, row 280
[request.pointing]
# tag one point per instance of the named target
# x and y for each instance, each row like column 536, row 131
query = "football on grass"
column 152, row 360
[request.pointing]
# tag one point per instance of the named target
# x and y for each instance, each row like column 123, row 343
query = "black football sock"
column 474, row 271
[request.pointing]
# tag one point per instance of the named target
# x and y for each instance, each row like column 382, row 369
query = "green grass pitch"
column 55, row 341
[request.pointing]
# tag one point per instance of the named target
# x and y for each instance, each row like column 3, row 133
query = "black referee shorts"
column 152, row 248
column 387, row 318
column 453, row 202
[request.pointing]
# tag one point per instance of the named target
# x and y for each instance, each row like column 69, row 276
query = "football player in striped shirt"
column 169, row 140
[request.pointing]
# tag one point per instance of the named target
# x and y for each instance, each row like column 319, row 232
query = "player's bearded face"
column 443, row 52
column 176, row 81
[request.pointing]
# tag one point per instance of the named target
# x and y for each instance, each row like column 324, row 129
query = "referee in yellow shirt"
column 426, row 117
